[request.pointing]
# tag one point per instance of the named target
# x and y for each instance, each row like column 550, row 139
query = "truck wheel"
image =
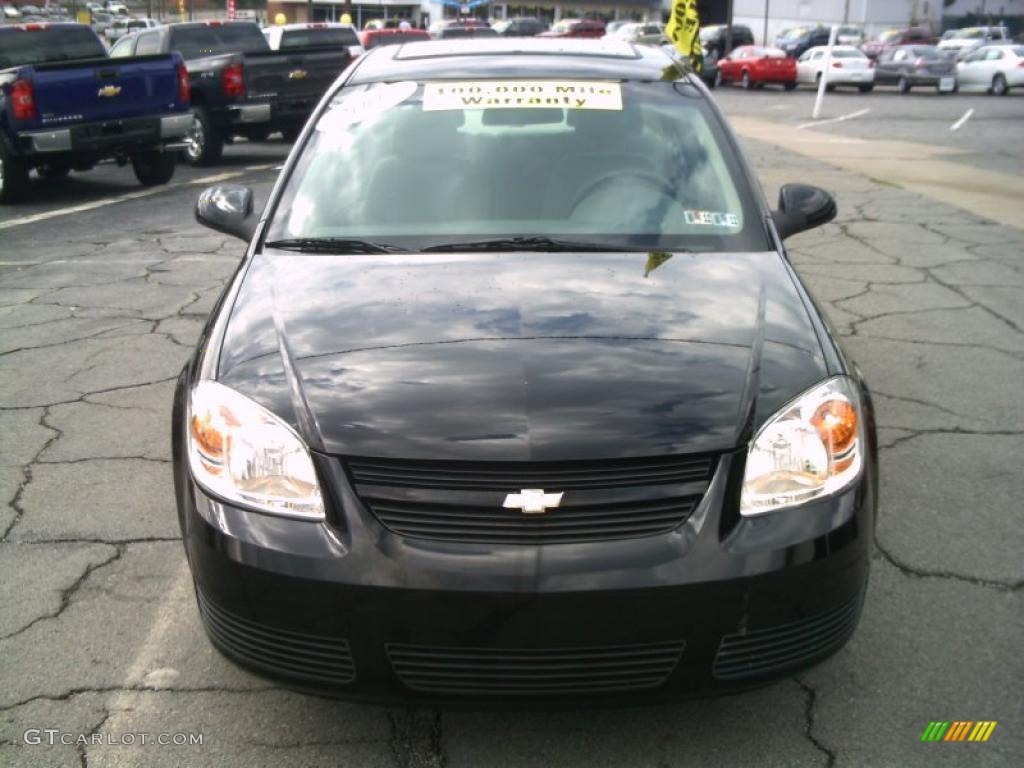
column 153, row 168
column 13, row 177
column 54, row 170
column 205, row 141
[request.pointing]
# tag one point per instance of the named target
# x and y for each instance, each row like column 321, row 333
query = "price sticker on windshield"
column 522, row 94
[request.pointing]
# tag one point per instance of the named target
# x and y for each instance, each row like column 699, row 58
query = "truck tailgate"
column 94, row 90
column 292, row 74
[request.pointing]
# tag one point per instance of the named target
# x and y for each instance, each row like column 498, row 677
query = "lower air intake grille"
column 279, row 651
column 529, row 672
column 774, row 650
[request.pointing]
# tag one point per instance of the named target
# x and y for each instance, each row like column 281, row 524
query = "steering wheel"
column 649, row 179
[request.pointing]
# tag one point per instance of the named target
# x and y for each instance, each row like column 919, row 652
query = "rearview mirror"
column 227, row 208
column 802, row 207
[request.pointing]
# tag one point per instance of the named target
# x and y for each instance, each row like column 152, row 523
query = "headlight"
column 240, row 451
column 812, row 448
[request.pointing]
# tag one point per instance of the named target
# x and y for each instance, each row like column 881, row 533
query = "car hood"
column 523, row 356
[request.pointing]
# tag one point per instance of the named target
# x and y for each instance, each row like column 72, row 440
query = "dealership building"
column 424, row 12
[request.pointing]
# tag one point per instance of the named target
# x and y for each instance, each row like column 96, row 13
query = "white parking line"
column 94, row 204
column 967, row 116
column 816, row 123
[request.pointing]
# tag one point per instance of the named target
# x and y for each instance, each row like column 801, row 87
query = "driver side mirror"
column 227, row 208
column 802, row 207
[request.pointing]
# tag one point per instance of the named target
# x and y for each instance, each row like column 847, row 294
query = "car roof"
column 520, row 58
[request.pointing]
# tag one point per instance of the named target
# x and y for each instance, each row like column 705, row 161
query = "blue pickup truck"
column 64, row 105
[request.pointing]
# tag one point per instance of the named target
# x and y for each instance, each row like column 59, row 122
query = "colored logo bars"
column 958, row 730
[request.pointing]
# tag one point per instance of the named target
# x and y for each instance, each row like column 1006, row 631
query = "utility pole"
column 846, row 11
column 309, row 10
column 728, row 28
column 767, row 5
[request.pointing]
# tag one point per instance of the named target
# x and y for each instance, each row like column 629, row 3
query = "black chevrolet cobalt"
column 516, row 396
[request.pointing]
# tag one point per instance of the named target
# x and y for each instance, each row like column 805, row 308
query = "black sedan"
column 516, row 396
column 906, row 66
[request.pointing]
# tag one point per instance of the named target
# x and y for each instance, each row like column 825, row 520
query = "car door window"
column 994, row 55
column 899, row 56
column 122, row 49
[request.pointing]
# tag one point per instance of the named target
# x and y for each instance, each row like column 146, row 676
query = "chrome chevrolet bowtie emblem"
column 109, row 90
column 532, row 501
column 297, row 74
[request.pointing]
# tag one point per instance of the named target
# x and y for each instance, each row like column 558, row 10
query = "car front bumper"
column 352, row 610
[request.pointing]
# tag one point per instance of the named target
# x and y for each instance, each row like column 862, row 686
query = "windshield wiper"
column 524, row 244
column 333, row 245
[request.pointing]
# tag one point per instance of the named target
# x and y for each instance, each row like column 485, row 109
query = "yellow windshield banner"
column 683, row 29
column 522, row 94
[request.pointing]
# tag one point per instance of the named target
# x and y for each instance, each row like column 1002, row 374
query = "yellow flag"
column 683, row 29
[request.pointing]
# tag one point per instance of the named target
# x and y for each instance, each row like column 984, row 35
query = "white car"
column 971, row 38
column 997, row 68
column 849, row 67
column 850, row 35
column 322, row 33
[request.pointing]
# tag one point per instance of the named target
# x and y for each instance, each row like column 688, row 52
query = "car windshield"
column 1018, row 50
column 626, row 165
column 974, row 33
column 890, row 35
column 926, row 52
column 849, row 31
column 318, row 36
column 847, row 53
column 793, row 34
column 949, row 34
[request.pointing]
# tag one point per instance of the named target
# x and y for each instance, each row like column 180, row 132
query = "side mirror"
column 802, row 207
column 227, row 208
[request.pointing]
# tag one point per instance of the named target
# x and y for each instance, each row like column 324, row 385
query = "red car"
column 576, row 28
column 752, row 66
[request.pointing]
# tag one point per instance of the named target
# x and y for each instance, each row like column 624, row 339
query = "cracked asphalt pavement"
column 99, row 632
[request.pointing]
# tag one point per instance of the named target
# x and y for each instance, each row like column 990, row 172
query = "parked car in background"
column 527, row 26
column 997, row 68
column 373, row 38
column 9, row 14
column 239, row 85
column 849, row 67
column 642, row 32
column 289, row 37
column 849, row 34
column 134, row 25
column 452, row 33
column 800, row 39
column 913, row 65
column 576, row 28
column 64, row 106
column 753, row 66
column 117, row 29
column 709, row 71
column 971, row 38
column 892, row 38
column 101, row 22
column 712, row 38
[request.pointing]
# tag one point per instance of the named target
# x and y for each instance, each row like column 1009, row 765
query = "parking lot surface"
column 103, row 289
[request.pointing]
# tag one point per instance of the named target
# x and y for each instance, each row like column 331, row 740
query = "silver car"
column 997, row 68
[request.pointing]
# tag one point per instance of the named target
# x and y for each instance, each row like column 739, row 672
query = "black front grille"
column 786, row 646
column 279, row 651
column 531, row 672
column 463, row 501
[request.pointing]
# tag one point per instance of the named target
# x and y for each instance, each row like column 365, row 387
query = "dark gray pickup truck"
column 240, row 87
